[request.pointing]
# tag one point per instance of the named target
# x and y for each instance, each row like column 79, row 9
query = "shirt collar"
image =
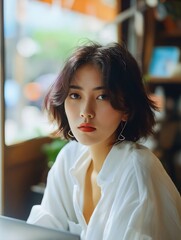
column 113, row 162
column 80, row 166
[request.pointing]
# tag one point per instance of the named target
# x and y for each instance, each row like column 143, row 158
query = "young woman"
column 104, row 184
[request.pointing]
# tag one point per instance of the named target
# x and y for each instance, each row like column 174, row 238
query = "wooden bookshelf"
column 167, row 137
column 160, row 80
column 170, row 34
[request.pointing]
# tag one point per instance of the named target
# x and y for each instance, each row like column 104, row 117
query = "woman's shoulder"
column 73, row 148
column 149, row 171
column 70, row 153
column 138, row 154
column 141, row 163
column 143, row 156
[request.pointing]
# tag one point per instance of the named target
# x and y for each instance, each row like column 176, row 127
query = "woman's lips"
column 85, row 127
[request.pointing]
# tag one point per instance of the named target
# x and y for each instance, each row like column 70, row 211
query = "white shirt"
column 138, row 199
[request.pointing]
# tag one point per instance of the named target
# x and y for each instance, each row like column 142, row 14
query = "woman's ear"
column 124, row 117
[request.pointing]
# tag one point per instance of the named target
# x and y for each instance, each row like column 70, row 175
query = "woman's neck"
column 98, row 154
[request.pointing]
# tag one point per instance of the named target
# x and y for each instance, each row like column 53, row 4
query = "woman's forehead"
column 89, row 72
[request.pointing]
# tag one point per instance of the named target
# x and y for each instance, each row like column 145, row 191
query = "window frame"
column 1, row 108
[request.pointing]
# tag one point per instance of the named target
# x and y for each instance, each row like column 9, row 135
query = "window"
column 38, row 38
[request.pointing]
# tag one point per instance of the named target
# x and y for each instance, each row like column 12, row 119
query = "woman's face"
column 91, row 117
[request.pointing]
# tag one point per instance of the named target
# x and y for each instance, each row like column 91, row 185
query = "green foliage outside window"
column 52, row 149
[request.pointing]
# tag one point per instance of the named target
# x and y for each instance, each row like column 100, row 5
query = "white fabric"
column 138, row 199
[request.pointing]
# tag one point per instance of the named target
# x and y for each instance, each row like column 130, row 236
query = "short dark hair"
column 122, row 78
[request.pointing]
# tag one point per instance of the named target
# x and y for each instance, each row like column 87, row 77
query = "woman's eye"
column 74, row 96
column 103, row 97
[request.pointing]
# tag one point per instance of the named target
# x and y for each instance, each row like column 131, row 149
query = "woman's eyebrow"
column 99, row 88
column 81, row 88
column 75, row 87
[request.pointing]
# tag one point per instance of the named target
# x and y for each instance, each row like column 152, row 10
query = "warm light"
column 159, row 100
column 46, row 1
column 105, row 10
column 32, row 91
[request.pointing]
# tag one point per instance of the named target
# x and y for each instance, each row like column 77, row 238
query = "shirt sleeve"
column 56, row 208
column 148, row 207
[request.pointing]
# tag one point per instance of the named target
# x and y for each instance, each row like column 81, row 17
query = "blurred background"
column 36, row 38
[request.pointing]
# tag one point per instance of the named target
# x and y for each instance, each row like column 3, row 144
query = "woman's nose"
column 87, row 115
column 87, row 110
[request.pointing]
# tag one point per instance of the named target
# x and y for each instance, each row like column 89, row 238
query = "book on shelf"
column 164, row 60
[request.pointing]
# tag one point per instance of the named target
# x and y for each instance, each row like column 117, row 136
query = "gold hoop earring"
column 70, row 134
